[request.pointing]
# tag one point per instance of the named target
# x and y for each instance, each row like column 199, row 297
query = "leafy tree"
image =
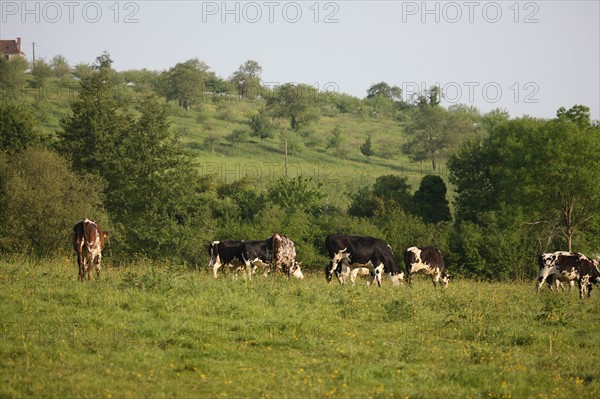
column 41, row 71
column 578, row 114
column 391, row 93
column 298, row 194
column 60, row 66
column 91, row 134
column 366, row 148
column 335, row 140
column 237, row 136
column 103, row 61
column 41, row 198
column 295, row 102
column 17, row 128
column 83, row 70
column 211, row 140
column 150, row 191
column 185, row 81
column 261, row 125
column 247, row 79
column 12, row 73
column 429, row 201
column 544, row 169
column 389, row 193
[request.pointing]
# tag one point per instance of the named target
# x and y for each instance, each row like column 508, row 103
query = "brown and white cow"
column 569, row 266
column 277, row 253
column 88, row 242
column 428, row 261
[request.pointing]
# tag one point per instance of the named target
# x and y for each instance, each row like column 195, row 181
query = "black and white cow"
column 569, row 266
column 353, row 252
column 428, row 261
column 225, row 253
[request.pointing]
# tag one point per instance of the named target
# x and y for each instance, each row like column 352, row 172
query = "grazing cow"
column 88, row 242
column 569, row 266
column 225, row 253
column 361, row 251
column 428, row 261
column 277, row 252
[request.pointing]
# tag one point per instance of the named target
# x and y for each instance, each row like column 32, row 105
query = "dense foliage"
column 518, row 186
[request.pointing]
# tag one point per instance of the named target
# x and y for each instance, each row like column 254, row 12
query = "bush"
column 41, row 200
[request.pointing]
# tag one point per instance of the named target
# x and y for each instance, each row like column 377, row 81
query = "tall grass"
column 153, row 330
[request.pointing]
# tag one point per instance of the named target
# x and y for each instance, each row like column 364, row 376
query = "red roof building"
column 11, row 48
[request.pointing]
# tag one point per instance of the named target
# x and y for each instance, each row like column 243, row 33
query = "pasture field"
column 159, row 330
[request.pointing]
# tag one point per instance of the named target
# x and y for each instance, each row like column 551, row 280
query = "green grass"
column 157, row 330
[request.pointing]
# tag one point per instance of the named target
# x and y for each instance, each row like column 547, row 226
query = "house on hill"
column 10, row 49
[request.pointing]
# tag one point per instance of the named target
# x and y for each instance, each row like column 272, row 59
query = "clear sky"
column 528, row 57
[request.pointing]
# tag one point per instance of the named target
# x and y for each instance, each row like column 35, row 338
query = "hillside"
column 217, row 117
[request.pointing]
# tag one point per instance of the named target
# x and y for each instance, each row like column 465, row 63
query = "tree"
column 185, row 82
column 294, row 102
column 335, row 140
column 247, row 79
column 389, row 193
column 41, row 198
column 261, row 125
column 17, row 128
column 429, row 201
column 60, row 66
column 12, row 73
column 211, row 140
column 237, row 136
column 546, row 170
column 150, row 179
column 367, row 147
column 41, row 71
column 578, row 114
column 427, row 134
column 91, row 134
column 298, row 194
column 103, row 61
column 391, row 93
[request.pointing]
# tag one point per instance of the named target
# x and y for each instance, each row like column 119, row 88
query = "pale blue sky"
column 529, row 57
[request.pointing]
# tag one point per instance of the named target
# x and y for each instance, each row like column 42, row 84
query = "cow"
column 569, row 266
column 361, row 251
column 225, row 253
column 88, row 243
column 277, row 253
column 250, row 254
column 426, row 260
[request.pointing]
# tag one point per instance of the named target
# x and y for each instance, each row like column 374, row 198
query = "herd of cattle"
column 350, row 257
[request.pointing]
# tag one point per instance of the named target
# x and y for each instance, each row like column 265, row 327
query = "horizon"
column 529, row 58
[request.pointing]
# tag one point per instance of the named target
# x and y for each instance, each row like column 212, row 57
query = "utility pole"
column 286, row 161
column 33, row 51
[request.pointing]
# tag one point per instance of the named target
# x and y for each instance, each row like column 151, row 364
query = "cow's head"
column 296, row 271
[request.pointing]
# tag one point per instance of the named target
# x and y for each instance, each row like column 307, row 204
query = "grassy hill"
column 218, row 117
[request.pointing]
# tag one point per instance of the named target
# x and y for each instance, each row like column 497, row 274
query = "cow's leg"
column 542, row 278
column 98, row 261
column 216, row 265
column 88, row 265
column 80, row 266
column 378, row 274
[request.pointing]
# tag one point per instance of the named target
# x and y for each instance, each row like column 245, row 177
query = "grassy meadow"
column 159, row 330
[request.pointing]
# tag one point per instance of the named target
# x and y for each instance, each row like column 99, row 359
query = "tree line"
column 520, row 186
